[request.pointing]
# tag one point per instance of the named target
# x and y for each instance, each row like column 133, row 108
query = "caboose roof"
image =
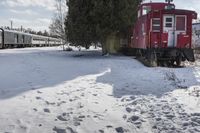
column 156, row 5
column 161, row 6
column 181, row 12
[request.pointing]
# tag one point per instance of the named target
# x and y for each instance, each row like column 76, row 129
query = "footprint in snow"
column 94, row 95
column 128, row 109
column 101, row 131
column 120, row 130
column 64, row 117
column 136, row 120
column 98, row 88
column 39, row 92
column 71, row 130
column 81, row 117
column 21, row 128
column 61, row 118
column 60, row 103
column 46, row 110
column 40, row 125
column 80, row 105
column 10, row 128
column 38, row 98
column 82, row 95
column 77, row 121
column 109, row 126
column 62, row 93
column 35, row 109
column 50, row 103
column 59, row 130
column 133, row 118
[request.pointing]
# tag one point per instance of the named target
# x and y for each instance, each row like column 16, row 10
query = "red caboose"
column 163, row 34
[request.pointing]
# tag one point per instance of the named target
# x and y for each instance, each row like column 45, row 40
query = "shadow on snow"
column 31, row 70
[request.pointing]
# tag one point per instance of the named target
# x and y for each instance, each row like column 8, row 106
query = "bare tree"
column 57, row 26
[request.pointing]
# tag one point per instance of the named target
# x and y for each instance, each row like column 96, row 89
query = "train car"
column 10, row 38
column 16, row 39
column 41, row 41
column 54, row 41
column 162, row 34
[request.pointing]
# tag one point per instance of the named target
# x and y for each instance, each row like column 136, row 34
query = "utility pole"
column 11, row 24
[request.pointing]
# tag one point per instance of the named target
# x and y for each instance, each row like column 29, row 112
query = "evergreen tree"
column 91, row 21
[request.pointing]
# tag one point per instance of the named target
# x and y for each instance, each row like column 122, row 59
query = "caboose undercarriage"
column 165, row 56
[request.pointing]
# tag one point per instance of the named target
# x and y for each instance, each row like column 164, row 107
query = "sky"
column 37, row 14
column 184, row 4
column 34, row 14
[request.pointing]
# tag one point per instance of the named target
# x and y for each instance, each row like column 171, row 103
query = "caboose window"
column 169, row 25
column 168, row 22
column 168, row 19
column 145, row 10
column 180, row 23
column 156, row 24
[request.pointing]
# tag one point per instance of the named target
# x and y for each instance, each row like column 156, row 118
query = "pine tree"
column 104, row 21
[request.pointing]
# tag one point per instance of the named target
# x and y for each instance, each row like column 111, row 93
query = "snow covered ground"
column 195, row 41
column 46, row 90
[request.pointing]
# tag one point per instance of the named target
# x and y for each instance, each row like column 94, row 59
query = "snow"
column 44, row 90
column 195, row 41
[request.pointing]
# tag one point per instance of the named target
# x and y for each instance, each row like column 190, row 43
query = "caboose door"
column 181, row 22
column 168, row 26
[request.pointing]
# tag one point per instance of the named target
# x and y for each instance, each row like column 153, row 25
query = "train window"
column 155, row 24
column 23, row 39
column 145, row 10
column 16, row 38
column 180, row 23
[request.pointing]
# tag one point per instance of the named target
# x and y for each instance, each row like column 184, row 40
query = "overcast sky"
column 37, row 14
column 184, row 4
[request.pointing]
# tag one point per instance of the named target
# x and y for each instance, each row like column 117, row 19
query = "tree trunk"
column 104, row 50
column 111, row 44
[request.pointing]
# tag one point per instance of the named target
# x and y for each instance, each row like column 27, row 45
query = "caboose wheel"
column 172, row 62
column 178, row 61
column 138, row 53
column 153, row 59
